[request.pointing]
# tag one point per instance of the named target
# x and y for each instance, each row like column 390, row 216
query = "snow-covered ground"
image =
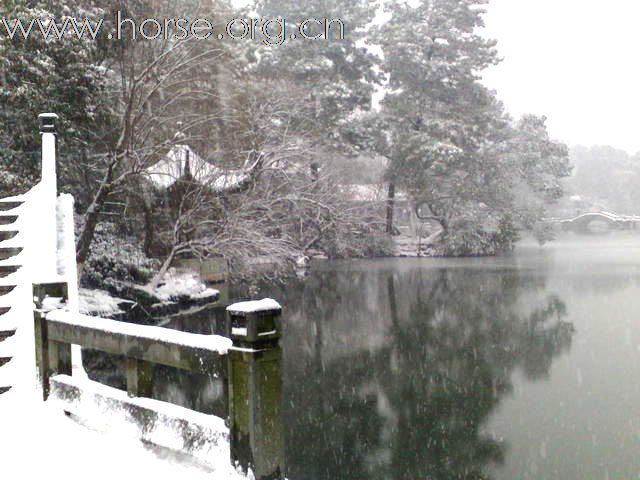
column 99, row 303
column 37, row 440
column 176, row 284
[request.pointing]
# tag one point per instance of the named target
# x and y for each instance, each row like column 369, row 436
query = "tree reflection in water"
column 413, row 405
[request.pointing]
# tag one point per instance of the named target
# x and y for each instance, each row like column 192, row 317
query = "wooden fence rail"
column 248, row 360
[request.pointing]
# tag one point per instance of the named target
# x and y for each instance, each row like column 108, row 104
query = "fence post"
column 51, row 357
column 139, row 379
column 255, row 388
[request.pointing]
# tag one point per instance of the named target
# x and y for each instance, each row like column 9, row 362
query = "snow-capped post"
column 49, row 193
column 255, row 388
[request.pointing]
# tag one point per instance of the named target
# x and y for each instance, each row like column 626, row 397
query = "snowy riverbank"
column 178, row 291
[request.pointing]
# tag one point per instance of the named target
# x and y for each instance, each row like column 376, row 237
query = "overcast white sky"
column 575, row 61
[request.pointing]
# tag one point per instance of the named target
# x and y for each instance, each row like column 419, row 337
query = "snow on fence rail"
column 249, row 364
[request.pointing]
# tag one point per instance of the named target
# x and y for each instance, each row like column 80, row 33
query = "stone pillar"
column 48, row 192
column 255, row 389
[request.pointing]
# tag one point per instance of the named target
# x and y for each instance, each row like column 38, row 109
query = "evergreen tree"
column 62, row 76
column 540, row 164
column 448, row 140
column 331, row 79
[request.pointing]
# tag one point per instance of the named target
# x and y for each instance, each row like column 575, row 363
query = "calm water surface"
column 518, row 367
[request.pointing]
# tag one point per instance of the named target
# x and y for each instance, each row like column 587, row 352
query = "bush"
column 507, row 235
column 466, row 243
column 114, row 259
column 471, row 241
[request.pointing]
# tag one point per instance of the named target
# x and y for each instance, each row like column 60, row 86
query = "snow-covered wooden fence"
column 248, row 360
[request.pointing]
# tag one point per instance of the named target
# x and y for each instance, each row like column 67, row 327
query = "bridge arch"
column 597, row 222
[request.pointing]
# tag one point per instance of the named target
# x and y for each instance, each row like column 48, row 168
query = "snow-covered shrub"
column 15, row 171
column 366, row 243
column 116, row 258
column 507, row 235
column 466, row 243
column 468, row 239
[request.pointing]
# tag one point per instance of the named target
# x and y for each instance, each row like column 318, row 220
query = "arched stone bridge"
column 584, row 223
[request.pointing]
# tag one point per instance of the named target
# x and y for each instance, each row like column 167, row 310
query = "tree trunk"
column 83, row 245
column 390, row 205
column 439, row 217
column 149, row 231
column 157, row 278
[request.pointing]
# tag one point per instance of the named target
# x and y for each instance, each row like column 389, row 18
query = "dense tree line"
column 281, row 117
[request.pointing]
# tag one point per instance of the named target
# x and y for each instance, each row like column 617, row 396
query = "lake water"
column 518, row 367
column 524, row 366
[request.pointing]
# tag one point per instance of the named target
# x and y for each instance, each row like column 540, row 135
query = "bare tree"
column 153, row 84
column 286, row 211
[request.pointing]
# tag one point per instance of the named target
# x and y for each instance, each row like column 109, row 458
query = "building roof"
column 369, row 192
column 180, row 160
